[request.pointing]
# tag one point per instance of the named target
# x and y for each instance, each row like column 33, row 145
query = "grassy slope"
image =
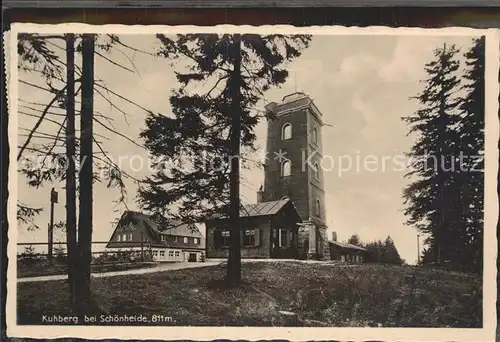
column 321, row 294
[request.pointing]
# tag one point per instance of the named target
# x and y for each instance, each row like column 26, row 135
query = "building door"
column 192, row 257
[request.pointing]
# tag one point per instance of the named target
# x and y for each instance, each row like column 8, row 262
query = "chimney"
column 260, row 195
column 334, row 236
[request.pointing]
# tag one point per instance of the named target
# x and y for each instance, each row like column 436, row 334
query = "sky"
column 361, row 84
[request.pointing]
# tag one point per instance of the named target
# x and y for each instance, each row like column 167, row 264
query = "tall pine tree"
column 198, row 143
column 471, row 127
column 432, row 197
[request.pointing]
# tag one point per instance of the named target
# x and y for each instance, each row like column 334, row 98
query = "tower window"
column 318, row 207
column 286, row 131
column 316, row 171
column 315, row 135
column 286, row 168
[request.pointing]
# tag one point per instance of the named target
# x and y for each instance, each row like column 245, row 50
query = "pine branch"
column 112, row 105
column 63, row 127
column 37, row 116
column 113, row 62
column 125, row 99
column 118, row 133
column 44, row 113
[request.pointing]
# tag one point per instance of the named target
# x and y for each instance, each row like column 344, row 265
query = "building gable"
column 136, row 228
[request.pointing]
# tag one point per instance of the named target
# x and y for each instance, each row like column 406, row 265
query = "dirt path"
column 163, row 267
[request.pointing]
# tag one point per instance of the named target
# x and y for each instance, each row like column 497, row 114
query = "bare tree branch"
column 54, row 99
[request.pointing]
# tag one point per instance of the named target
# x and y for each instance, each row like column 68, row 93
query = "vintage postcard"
column 198, row 183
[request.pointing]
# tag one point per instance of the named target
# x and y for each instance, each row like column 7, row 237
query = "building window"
column 162, row 253
column 318, row 207
column 316, row 171
column 282, row 238
column 175, row 238
column 155, row 253
column 315, row 136
column 119, row 238
column 171, row 254
column 130, row 237
column 286, row 131
column 124, row 237
column 163, row 238
column 286, row 168
column 249, row 237
column 195, row 241
column 185, row 240
column 177, row 253
column 225, row 237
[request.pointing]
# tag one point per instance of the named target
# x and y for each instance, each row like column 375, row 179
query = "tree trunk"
column 86, row 176
column 234, row 259
column 70, row 173
column 440, row 234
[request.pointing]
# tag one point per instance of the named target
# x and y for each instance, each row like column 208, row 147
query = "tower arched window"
column 286, row 168
column 315, row 135
column 286, row 131
column 316, row 171
column 318, row 207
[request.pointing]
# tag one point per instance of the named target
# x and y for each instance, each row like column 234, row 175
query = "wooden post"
column 49, row 240
column 418, row 249
column 53, row 200
column 312, row 242
column 142, row 246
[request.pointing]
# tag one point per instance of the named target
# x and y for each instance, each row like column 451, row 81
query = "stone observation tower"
column 292, row 169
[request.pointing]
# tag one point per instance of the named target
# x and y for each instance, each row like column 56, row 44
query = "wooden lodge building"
column 268, row 230
column 289, row 219
column 345, row 252
column 165, row 240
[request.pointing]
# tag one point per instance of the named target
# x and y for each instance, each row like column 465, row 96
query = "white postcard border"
column 487, row 333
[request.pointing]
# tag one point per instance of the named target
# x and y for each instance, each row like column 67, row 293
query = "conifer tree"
column 471, row 127
column 354, row 240
column 432, row 197
column 384, row 252
column 201, row 140
column 391, row 254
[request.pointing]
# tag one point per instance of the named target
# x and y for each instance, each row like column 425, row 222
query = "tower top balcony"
column 294, row 97
column 292, row 103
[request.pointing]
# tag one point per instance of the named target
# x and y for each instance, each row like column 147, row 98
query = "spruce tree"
column 391, row 252
column 200, row 141
column 432, row 197
column 471, row 127
column 354, row 240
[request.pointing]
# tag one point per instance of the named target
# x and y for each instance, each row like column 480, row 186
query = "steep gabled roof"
column 347, row 245
column 262, row 208
column 158, row 224
column 174, row 227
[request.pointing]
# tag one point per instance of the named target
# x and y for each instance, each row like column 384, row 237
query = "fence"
column 38, row 252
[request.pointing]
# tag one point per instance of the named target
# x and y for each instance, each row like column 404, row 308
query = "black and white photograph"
column 266, row 182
